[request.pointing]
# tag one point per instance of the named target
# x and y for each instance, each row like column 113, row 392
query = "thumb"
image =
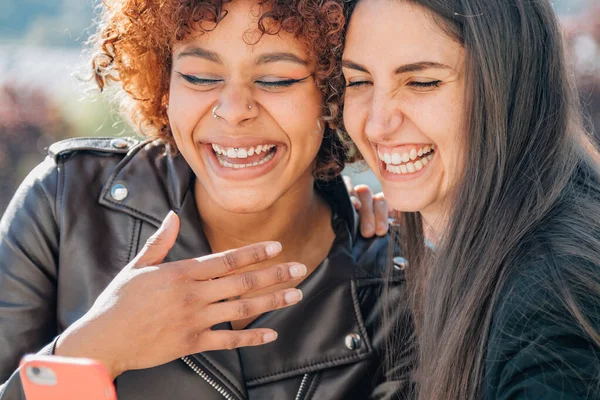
column 158, row 245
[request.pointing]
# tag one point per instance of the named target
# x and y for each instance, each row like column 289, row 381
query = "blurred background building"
column 44, row 95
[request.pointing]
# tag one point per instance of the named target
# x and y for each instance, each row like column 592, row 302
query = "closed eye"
column 358, row 84
column 281, row 84
column 199, row 81
column 425, row 85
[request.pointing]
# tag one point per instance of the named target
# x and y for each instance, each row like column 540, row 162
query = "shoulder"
column 542, row 292
column 72, row 146
column 538, row 346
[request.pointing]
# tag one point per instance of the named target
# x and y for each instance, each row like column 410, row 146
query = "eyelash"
column 423, row 85
column 426, row 84
column 275, row 84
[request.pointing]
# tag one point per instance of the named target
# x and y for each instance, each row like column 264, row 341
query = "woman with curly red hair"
column 238, row 101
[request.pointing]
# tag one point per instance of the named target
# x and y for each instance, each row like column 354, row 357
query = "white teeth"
column 241, row 166
column 409, row 162
column 241, row 152
column 231, row 153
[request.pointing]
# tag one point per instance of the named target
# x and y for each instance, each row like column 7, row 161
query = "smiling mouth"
column 244, row 157
column 407, row 162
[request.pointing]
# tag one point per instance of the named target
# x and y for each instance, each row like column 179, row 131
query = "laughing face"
column 245, row 116
column 404, row 102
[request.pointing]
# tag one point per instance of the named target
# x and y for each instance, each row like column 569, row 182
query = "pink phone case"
column 63, row 378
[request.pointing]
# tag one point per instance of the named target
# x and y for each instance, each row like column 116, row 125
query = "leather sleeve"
column 29, row 241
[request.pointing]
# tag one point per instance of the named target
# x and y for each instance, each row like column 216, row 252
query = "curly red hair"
column 132, row 48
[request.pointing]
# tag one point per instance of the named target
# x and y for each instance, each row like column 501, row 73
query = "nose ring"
column 214, row 112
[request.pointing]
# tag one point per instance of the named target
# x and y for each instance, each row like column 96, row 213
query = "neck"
column 435, row 221
column 294, row 220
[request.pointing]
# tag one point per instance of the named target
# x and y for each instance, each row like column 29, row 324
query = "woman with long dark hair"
column 465, row 111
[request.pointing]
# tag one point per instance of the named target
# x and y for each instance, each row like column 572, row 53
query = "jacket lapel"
column 148, row 170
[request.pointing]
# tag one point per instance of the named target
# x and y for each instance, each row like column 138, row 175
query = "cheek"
column 354, row 115
column 440, row 119
column 186, row 109
column 301, row 124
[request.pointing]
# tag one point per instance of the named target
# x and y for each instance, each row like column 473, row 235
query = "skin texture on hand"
column 372, row 209
column 170, row 308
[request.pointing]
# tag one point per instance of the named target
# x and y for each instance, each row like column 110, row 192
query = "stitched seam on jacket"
column 133, row 235
column 357, row 312
column 62, row 199
column 290, row 371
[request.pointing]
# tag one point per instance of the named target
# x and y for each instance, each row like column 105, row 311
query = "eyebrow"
column 414, row 67
column 200, row 53
column 276, row 57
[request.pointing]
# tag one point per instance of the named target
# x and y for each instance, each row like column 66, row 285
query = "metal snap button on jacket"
column 119, row 143
column 119, row 192
column 400, row 263
column 353, row 341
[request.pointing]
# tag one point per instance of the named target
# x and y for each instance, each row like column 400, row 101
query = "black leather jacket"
column 86, row 211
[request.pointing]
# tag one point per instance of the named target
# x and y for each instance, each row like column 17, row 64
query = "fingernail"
column 368, row 228
column 355, row 202
column 381, row 229
column 298, row 270
column 293, row 296
column 168, row 221
column 273, row 248
column 270, row 337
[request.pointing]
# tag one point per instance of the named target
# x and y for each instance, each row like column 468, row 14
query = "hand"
column 372, row 209
column 153, row 313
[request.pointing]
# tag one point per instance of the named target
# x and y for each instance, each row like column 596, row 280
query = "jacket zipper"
column 213, row 383
column 303, row 387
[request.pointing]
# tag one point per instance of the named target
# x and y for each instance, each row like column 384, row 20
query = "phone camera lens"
column 35, row 371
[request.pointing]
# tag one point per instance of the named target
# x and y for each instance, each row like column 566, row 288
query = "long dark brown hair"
column 530, row 191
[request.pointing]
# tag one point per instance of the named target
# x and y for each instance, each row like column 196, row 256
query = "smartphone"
column 65, row 378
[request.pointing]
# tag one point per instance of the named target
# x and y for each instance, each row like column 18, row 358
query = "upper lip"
column 237, row 142
column 400, row 146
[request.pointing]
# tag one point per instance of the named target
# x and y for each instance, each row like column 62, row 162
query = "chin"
column 406, row 201
column 244, row 203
